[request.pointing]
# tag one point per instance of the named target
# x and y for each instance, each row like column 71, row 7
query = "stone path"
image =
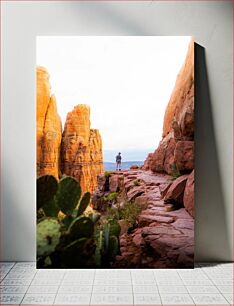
column 163, row 238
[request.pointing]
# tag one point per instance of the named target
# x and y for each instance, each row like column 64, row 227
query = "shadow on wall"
column 211, row 232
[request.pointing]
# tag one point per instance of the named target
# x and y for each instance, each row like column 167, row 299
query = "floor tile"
column 11, row 299
column 222, row 282
column 38, row 299
column 209, row 299
column 111, row 299
column 75, row 289
column 229, row 297
column 6, row 264
column 147, row 299
column 13, row 289
column 176, row 299
column 72, row 299
column 114, row 282
column 43, row 289
column 202, row 289
column 16, row 282
column 225, row 289
column 145, row 289
column 46, row 282
column 164, row 289
column 112, row 289
column 27, row 264
column 169, row 282
column 77, row 281
column 196, row 282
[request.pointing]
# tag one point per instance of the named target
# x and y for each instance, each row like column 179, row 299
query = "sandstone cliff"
column 81, row 151
column 175, row 153
column 76, row 152
column 177, row 145
column 49, row 128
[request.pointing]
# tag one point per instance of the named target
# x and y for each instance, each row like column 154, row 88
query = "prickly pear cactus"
column 51, row 209
column 113, row 247
column 81, row 227
column 68, row 194
column 48, row 235
column 83, row 203
column 47, row 186
column 114, row 227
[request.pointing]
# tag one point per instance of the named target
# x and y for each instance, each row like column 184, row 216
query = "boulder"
column 189, row 195
column 184, row 156
column 114, row 183
column 163, row 158
column 101, row 182
column 134, row 167
column 147, row 162
column 175, row 193
column 163, row 188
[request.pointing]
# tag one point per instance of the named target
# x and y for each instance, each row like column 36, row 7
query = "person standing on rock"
column 118, row 161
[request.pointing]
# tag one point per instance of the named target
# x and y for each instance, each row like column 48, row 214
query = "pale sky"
column 126, row 80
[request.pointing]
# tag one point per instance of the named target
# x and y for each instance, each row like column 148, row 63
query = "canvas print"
column 115, row 152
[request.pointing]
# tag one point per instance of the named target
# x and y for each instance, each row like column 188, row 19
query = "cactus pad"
column 81, row 227
column 47, row 186
column 68, row 194
column 84, row 203
column 48, row 235
column 113, row 247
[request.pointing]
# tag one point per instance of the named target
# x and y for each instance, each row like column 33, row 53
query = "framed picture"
column 115, row 152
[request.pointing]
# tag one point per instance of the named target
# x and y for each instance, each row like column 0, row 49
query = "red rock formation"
column 176, row 146
column 184, row 156
column 189, row 195
column 175, row 193
column 81, row 153
column 49, row 129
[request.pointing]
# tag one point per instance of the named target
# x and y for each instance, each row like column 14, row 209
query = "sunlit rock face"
column 81, row 151
column 176, row 148
column 49, row 128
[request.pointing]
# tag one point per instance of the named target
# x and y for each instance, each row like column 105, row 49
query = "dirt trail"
column 163, row 238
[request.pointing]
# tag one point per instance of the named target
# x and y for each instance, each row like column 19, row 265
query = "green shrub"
column 137, row 182
column 111, row 197
column 107, row 174
column 128, row 212
column 175, row 172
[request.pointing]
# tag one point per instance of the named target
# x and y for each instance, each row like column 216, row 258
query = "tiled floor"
column 207, row 284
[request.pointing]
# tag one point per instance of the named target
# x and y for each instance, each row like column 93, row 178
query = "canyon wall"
column 81, row 151
column 49, row 127
column 77, row 151
column 176, row 149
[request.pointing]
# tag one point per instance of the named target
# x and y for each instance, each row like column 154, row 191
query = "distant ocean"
column 108, row 166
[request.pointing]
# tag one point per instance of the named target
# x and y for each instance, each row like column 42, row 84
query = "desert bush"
column 175, row 172
column 111, row 197
column 128, row 212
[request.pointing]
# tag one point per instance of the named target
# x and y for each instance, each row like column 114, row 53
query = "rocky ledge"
column 164, row 235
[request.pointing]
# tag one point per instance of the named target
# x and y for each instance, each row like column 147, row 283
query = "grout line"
column 156, row 284
column 59, row 288
column 28, row 287
column 133, row 301
column 216, row 286
column 186, row 285
column 92, row 287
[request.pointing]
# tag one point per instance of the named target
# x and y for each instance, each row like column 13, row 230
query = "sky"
column 126, row 80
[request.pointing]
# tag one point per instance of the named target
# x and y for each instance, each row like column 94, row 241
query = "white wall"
column 211, row 24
